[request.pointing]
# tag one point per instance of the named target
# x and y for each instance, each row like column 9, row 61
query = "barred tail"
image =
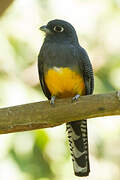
column 78, row 140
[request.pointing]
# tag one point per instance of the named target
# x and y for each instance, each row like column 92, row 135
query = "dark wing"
column 87, row 70
column 41, row 74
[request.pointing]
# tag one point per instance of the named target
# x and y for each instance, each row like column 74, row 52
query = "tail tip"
column 82, row 174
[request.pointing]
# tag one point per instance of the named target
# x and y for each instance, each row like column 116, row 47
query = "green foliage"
column 36, row 164
column 23, row 52
column 41, row 139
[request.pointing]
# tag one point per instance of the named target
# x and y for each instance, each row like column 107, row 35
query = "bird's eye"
column 58, row 29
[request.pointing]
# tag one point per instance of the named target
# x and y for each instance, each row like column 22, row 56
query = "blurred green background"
column 44, row 154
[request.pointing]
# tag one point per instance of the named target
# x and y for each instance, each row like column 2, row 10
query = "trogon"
column 65, row 71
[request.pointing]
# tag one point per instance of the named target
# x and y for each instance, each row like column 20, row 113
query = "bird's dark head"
column 59, row 30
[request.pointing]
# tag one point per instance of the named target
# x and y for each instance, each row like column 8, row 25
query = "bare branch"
column 43, row 115
column 4, row 4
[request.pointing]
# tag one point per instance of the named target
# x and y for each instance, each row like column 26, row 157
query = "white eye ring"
column 58, row 29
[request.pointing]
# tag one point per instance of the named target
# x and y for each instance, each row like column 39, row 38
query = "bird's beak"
column 45, row 29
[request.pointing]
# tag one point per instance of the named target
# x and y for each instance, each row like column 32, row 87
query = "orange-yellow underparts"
column 63, row 82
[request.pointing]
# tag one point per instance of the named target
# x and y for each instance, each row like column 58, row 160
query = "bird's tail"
column 78, row 140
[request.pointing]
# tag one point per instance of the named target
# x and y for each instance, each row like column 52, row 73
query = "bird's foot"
column 76, row 97
column 118, row 95
column 52, row 101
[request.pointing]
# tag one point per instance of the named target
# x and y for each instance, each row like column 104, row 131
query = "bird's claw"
column 76, row 97
column 52, row 101
column 118, row 95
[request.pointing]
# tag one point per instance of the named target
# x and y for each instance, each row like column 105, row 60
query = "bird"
column 65, row 71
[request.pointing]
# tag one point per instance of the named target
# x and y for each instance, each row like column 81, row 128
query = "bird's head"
column 59, row 30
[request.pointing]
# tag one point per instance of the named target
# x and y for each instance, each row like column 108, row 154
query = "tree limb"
column 43, row 115
column 4, row 4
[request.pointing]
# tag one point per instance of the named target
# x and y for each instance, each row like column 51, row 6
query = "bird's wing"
column 41, row 74
column 87, row 70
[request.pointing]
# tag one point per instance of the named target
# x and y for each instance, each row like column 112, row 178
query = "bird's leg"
column 52, row 101
column 76, row 97
column 118, row 95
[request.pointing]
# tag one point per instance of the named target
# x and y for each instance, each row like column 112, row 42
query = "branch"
column 4, row 4
column 43, row 115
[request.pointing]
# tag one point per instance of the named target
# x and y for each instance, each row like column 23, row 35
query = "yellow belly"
column 63, row 82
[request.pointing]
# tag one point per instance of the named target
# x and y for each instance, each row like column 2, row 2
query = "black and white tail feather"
column 78, row 140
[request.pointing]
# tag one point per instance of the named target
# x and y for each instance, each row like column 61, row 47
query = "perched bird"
column 65, row 71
